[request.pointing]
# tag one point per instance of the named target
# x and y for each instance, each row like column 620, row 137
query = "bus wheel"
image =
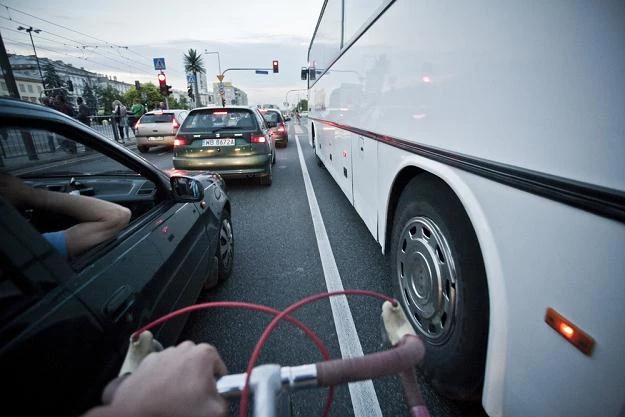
column 439, row 278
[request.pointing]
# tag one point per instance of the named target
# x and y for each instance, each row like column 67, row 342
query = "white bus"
column 483, row 145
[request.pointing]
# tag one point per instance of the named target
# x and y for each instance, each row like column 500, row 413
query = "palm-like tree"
column 193, row 64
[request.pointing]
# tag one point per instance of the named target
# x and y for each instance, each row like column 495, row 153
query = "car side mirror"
column 186, row 189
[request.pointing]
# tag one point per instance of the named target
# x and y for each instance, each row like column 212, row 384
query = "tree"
column 106, row 96
column 193, row 64
column 302, row 105
column 51, row 79
column 90, row 100
column 152, row 96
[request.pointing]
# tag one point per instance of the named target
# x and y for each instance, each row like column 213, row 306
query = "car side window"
column 261, row 120
column 43, row 159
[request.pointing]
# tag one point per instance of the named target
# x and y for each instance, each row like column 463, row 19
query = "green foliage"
column 183, row 102
column 51, row 78
column 106, row 96
column 90, row 99
column 302, row 105
column 193, row 62
column 152, row 96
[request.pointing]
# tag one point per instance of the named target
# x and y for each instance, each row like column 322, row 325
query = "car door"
column 157, row 262
column 47, row 335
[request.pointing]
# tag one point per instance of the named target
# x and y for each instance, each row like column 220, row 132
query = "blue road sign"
column 190, row 78
column 159, row 64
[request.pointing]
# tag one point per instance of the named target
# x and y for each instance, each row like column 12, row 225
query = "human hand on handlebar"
column 178, row 381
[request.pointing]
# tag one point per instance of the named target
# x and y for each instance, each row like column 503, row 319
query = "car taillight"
column 175, row 124
column 180, row 141
column 257, row 139
column 281, row 127
column 137, row 125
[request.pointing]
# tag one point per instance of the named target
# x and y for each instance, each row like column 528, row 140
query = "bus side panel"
column 365, row 180
column 333, row 145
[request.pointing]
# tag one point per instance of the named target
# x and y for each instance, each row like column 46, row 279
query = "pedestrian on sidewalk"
column 137, row 111
column 120, row 119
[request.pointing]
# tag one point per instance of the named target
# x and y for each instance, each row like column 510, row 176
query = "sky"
column 121, row 38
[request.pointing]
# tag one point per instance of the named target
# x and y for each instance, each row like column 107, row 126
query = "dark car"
column 232, row 141
column 65, row 323
column 277, row 126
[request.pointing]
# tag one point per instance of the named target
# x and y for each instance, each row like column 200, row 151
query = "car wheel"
column 267, row 179
column 225, row 248
column 143, row 148
column 439, row 278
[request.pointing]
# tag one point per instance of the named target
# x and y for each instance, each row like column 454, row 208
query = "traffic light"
column 162, row 83
column 168, row 90
column 137, row 85
column 275, row 65
column 190, row 92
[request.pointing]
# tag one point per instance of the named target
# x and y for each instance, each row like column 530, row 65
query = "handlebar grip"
column 408, row 353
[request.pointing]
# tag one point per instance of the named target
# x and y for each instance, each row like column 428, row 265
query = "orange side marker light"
column 570, row 332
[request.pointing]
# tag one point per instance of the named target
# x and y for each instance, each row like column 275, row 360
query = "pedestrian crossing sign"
column 159, row 64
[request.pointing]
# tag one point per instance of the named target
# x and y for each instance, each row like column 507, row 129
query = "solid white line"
column 364, row 399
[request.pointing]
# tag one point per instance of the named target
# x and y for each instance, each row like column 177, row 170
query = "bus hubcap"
column 427, row 279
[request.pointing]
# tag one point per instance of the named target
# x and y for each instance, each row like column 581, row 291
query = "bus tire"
column 439, row 278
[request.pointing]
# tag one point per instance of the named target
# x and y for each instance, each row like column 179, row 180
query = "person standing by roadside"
column 137, row 111
column 83, row 112
column 120, row 119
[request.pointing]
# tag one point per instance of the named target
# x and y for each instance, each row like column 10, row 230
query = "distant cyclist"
column 297, row 117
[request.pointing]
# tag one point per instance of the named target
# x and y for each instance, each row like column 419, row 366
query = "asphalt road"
column 277, row 262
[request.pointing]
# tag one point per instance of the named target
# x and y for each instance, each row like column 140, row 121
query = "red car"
column 277, row 126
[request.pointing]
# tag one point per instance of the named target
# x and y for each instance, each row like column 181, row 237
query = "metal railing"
column 18, row 146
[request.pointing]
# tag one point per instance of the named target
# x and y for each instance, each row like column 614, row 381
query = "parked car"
column 65, row 323
column 157, row 128
column 277, row 126
column 232, row 141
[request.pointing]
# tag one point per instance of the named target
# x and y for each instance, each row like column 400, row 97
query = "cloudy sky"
column 120, row 38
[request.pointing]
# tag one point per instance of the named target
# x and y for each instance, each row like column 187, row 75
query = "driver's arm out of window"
column 98, row 220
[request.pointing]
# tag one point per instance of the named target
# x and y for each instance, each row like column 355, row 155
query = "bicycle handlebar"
column 408, row 353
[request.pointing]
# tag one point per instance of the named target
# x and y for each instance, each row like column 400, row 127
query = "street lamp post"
column 286, row 97
column 30, row 31
column 219, row 74
column 218, row 60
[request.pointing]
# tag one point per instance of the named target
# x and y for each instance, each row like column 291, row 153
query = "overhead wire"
column 84, row 46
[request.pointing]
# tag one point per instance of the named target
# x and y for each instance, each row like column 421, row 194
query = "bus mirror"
column 304, row 73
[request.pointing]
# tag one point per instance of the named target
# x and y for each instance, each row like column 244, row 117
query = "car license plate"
column 154, row 138
column 218, row 142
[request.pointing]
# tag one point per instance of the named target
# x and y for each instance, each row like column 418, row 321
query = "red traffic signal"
column 162, row 82
column 275, row 65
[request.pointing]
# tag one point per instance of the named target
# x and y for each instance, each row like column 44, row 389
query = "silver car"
column 158, row 128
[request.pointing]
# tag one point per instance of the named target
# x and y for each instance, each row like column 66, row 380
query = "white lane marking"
column 364, row 398
column 298, row 129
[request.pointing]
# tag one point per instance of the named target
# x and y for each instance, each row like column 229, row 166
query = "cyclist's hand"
column 178, row 381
